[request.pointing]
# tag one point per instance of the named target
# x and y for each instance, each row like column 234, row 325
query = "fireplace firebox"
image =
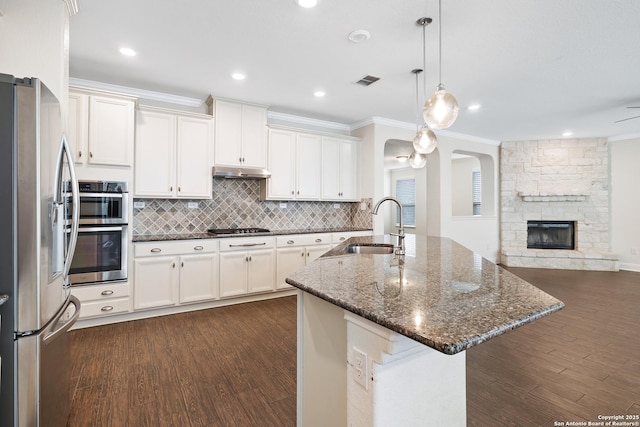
column 551, row 235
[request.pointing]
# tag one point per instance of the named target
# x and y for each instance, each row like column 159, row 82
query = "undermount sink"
column 369, row 249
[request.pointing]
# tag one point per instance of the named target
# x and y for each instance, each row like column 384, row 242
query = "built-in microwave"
column 102, row 202
column 101, row 249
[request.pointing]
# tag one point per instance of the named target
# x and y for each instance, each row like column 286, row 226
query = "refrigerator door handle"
column 49, row 333
column 58, row 199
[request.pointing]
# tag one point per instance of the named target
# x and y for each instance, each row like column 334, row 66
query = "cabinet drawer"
column 303, row 240
column 179, row 247
column 104, row 308
column 246, row 243
column 100, row 292
column 341, row 237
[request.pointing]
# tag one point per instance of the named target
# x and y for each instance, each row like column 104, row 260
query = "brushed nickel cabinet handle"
column 107, row 308
column 318, row 240
column 198, row 248
column 156, row 250
column 247, row 245
column 290, row 242
column 107, row 292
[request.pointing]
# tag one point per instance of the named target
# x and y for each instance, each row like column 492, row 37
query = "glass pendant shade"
column 417, row 160
column 425, row 141
column 441, row 109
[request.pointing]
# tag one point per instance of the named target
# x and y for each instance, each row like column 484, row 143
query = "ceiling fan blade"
column 624, row 120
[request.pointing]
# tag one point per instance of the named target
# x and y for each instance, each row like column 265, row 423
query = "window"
column 406, row 195
column 477, row 192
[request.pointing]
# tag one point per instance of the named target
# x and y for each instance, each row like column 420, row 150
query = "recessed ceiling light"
column 127, row 51
column 359, row 36
column 319, row 94
column 402, row 158
column 307, row 3
column 474, row 107
column 238, row 76
column 567, row 133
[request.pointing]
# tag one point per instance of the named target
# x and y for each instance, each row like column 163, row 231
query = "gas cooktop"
column 252, row 230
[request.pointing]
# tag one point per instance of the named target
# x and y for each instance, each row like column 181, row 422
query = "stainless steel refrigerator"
column 36, row 248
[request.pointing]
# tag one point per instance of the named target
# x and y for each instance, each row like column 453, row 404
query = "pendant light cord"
column 440, row 41
column 424, row 61
column 417, row 102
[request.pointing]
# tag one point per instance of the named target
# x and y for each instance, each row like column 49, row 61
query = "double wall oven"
column 101, row 249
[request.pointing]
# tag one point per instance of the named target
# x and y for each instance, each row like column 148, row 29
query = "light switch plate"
column 283, row 206
column 192, row 205
column 138, row 205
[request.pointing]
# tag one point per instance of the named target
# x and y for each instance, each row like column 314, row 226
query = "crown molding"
column 139, row 93
column 623, row 137
column 412, row 126
column 290, row 118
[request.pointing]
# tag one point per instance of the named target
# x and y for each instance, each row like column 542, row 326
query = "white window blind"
column 477, row 192
column 406, row 195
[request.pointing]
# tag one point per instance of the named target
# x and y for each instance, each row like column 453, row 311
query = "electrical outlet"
column 360, row 368
column 363, row 206
column 336, row 206
column 138, row 205
column 283, row 206
column 192, row 205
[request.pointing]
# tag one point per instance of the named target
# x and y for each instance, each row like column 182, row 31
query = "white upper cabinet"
column 173, row 154
column 100, row 128
column 295, row 166
column 241, row 134
column 339, row 169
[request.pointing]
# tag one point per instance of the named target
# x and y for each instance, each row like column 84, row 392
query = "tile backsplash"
column 236, row 203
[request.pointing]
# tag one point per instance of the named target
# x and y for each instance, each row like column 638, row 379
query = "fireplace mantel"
column 552, row 197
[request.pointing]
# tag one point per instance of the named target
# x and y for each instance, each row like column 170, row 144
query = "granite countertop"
column 450, row 299
column 3, row 298
column 205, row 235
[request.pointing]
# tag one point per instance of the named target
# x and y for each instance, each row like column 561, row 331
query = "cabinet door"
column 254, row 136
column 331, row 149
column 261, row 272
column 111, row 131
column 198, row 277
column 78, row 126
column 155, row 282
column 349, row 170
column 288, row 261
column 228, row 134
column 194, row 163
column 155, row 154
column 281, row 185
column 308, row 166
column 233, row 273
column 314, row 252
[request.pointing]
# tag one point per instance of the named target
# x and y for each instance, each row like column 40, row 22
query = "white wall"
column 625, row 202
column 34, row 42
column 462, row 185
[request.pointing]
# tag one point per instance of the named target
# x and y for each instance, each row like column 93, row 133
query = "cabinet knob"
column 290, row 242
column 302, row 254
column 198, row 248
column 246, row 259
column 90, row 154
column 107, row 308
column 342, row 238
column 171, row 188
column 107, row 292
column 182, row 264
column 240, row 159
column 179, row 189
column 249, row 257
column 173, row 265
column 156, row 250
column 318, row 240
column 292, row 193
column 298, row 192
column 79, row 153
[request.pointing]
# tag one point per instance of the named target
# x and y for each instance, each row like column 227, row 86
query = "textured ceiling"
column 538, row 67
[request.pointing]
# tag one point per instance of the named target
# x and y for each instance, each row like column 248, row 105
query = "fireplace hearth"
column 551, row 235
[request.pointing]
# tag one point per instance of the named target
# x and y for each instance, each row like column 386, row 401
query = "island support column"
column 394, row 380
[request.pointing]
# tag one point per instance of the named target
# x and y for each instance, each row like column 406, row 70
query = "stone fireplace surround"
column 556, row 180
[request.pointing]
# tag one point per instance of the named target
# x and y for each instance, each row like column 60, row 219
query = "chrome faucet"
column 399, row 247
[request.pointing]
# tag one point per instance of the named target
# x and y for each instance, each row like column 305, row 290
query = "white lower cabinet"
column 102, row 300
column 247, row 265
column 296, row 251
column 170, row 273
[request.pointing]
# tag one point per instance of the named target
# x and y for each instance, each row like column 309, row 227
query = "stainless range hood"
column 240, row 172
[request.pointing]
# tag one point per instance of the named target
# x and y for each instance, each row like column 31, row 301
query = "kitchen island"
column 403, row 324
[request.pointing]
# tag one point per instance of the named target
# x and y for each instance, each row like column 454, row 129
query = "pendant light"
column 441, row 109
column 417, row 160
column 425, row 141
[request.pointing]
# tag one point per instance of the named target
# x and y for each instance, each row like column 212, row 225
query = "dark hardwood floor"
column 235, row 366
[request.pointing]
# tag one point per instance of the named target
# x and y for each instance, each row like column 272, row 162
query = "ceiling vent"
column 367, row 80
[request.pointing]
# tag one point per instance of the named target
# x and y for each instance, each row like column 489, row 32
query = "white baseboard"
column 629, row 266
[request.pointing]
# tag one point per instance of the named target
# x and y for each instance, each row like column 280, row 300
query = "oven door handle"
column 84, row 229
column 102, row 195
